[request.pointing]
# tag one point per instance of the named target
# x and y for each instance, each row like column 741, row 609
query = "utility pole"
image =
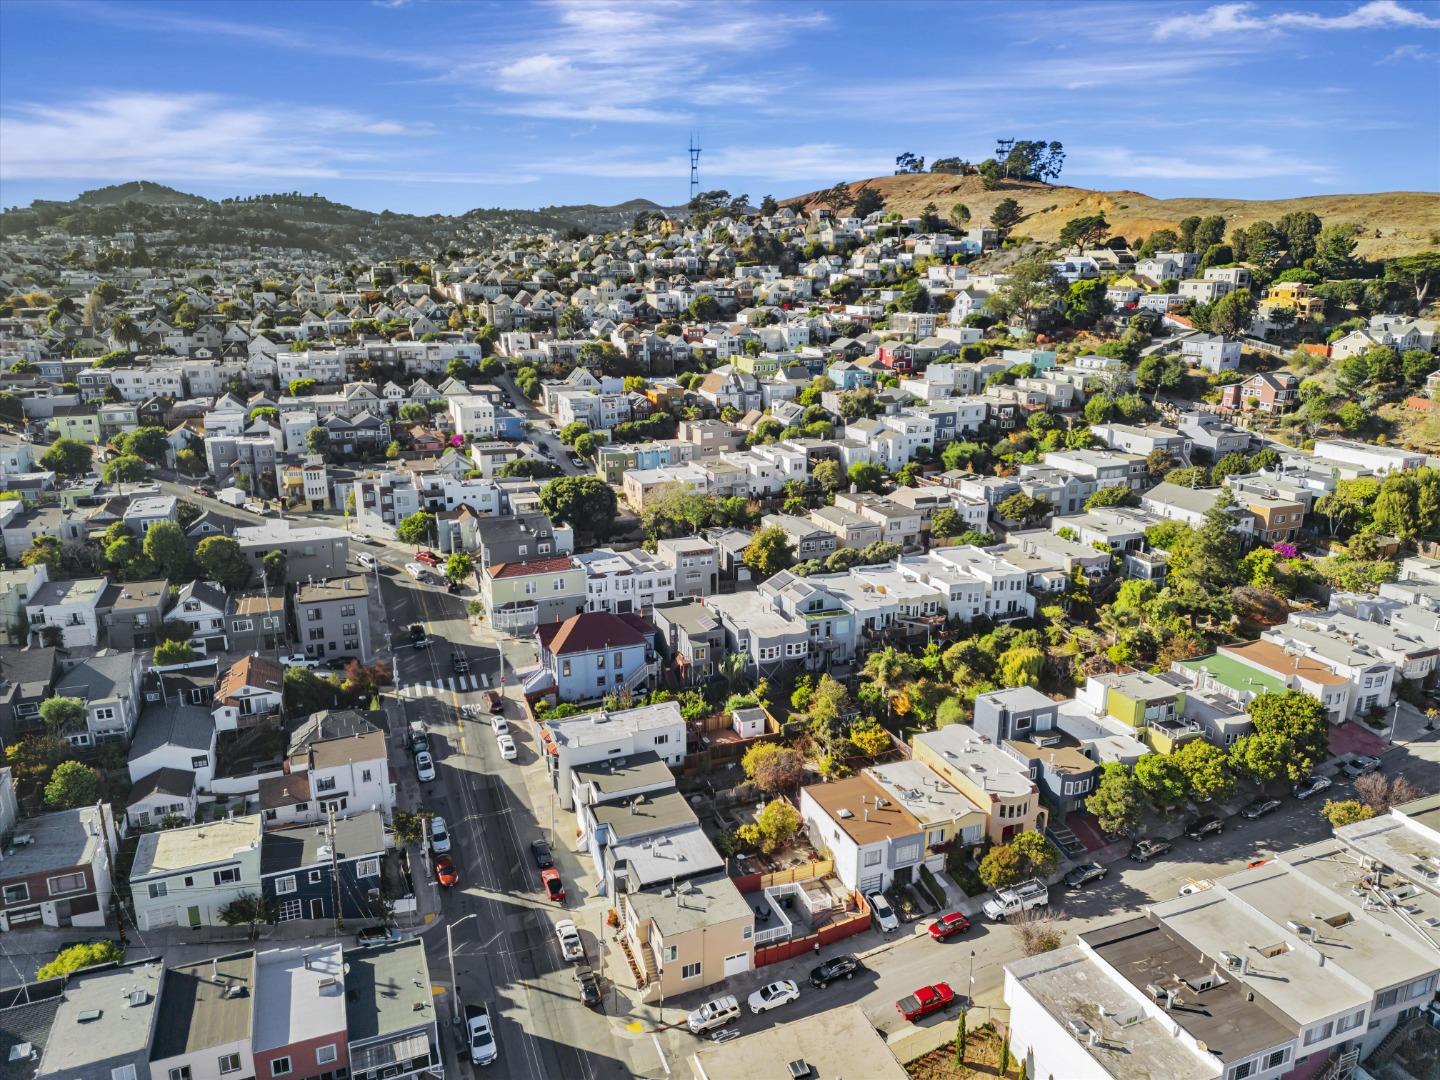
column 114, row 873
column 450, row 952
column 334, row 868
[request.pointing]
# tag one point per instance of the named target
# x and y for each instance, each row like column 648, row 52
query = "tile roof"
column 253, row 671
column 587, row 632
column 558, row 564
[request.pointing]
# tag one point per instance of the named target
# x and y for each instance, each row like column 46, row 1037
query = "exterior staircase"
column 641, row 976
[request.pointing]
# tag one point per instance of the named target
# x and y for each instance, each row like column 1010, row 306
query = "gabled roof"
column 587, row 632
column 177, row 782
column 187, row 726
column 556, row 565
column 255, row 672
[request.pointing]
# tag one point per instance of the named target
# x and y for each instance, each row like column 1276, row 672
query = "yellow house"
column 78, row 422
column 988, row 776
column 1128, row 281
column 1154, row 706
column 1292, row 296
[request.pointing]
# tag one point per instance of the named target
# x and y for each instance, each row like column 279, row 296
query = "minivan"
column 714, row 1014
column 882, row 913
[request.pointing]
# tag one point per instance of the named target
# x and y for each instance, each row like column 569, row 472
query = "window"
column 872, row 858
column 619, row 660
column 325, row 783
column 558, row 585
column 672, row 953
column 1319, row 1032
column 1241, row 1071
column 316, row 876
column 229, row 1063
column 749, row 933
column 124, row 1072
column 105, row 714
column 324, row 1055
column 228, row 876
column 1419, row 987
column 347, row 610
column 285, row 884
column 66, row 883
column 1348, row 1023
column 182, row 1073
column 690, row 971
column 530, row 588
column 365, row 776
column 199, row 761
column 367, row 868
column 17, row 894
column 661, row 740
column 240, row 626
column 1277, row 1058
column 600, row 662
column 280, row 1066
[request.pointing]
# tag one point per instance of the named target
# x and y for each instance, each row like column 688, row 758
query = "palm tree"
column 888, row 669
column 732, row 669
column 124, row 328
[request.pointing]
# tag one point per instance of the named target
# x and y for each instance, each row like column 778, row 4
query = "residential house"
column 66, row 613
column 519, row 596
column 1380, row 460
column 698, row 937
column 109, row 684
column 251, row 688
column 1297, row 671
column 187, row 876
column 27, row 678
column 299, row 1009
column 592, row 654
column 988, row 776
column 873, row 840
column 577, row 746
column 104, row 1023
column 164, row 795
column 690, row 638
column 206, row 1013
column 1267, row 391
column 303, row 870
column 694, row 562
column 624, row 581
column 332, row 618
column 313, row 551
column 340, row 756
column 178, row 737
column 16, row 589
column 57, row 869
column 136, row 611
column 203, row 606
column 948, row 815
column 390, row 1013
column 257, row 623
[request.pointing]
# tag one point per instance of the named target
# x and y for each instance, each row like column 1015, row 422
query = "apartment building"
column 332, row 618
column 987, row 775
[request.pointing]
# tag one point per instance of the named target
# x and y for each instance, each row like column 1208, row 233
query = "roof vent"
column 799, row 1069
column 89, row 1016
column 234, row 990
column 137, row 998
column 845, row 813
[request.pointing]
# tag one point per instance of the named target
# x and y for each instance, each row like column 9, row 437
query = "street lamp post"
column 450, row 952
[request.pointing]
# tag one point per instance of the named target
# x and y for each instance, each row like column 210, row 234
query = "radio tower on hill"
column 694, row 167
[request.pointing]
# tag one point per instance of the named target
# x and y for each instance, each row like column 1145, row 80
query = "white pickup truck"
column 1021, row 897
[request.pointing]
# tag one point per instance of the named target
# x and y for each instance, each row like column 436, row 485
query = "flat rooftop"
column 640, row 770
column 339, row 588
column 58, row 840
column 1230, row 672
column 96, row 1022
column 923, row 792
column 963, row 748
column 172, row 850
column 854, row 805
column 1073, row 986
column 657, row 860
column 696, row 902
column 300, row 994
column 205, row 1005
column 645, row 814
column 387, row 990
column 836, row 1043
column 600, row 726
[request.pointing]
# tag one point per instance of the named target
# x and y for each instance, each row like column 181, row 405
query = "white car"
column 415, row 570
column 571, row 947
column 483, row 1050
column 425, row 766
column 883, row 913
column 439, row 835
column 299, row 660
column 499, row 725
column 366, row 560
column 507, row 747
column 773, row 995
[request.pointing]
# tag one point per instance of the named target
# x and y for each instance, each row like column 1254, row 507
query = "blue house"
column 298, row 868
column 509, row 424
column 593, row 654
column 848, row 376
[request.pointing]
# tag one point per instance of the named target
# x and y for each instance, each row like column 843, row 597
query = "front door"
column 317, row 907
column 193, row 915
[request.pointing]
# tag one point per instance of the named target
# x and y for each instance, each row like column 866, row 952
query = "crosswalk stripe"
column 457, row 684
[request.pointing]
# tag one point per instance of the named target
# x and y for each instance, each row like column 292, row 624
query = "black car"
column 589, row 986
column 459, row 662
column 418, row 637
column 1203, row 827
column 1311, row 785
column 1145, row 850
column 837, row 967
column 1259, row 808
column 1084, row 874
column 540, row 852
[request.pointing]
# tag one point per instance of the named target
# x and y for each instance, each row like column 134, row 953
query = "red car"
column 446, row 872
column 926, row 1000
column 550, row 882
column 946, row 925
column 429, row 558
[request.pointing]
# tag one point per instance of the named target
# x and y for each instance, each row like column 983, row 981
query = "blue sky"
column 426, row 106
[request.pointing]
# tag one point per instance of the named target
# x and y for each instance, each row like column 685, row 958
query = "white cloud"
column 1410, row 52
column 1121, row 164
column 1239, row 18
column 127, row 136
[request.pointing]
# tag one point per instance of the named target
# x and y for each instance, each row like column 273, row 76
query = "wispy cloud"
column 1196, row 163
column 190, row 137
column 1241, row 18
column 1409, row 52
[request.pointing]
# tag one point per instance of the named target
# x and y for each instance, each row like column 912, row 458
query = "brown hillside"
column 1392, row 222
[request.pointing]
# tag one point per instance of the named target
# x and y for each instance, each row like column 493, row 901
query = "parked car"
column 506, row 745
column 415, row 570
column 926, row 1000
column 439, row 835
column 300, row 660
column 1147, row 849
column 949, row 925
column 418, row 638
column 1259, row 808
column 429, row 558
column 772, row 996
column 424, row 766
column 551, row 884
column 589, row 986
column 1203, row 827
column 540, row 852
column 1017, row 899
column 837, row 967
column 499, row 725
column 377, row 935
column 571, row 947
column 494, row 704
column 368, row 561
column 882, row 913
column 483, row 1048
column 201, row 489
column 1084, row 874
column 1359, row 766
column 419, row 737
column 713, row 1014
column 446, row 872
column 577, row 461
column 1311, row 785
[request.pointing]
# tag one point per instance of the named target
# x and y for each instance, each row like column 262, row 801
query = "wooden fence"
column 832, row 932
column 753, row 883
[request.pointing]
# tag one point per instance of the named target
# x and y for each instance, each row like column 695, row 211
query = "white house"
column 186, row 877
column 873, row 840
column 1212, row 352
column 472, row 415
column 610, row 736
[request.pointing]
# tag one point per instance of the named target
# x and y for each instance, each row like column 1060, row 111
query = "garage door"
column 159, row 918
column 737, row 964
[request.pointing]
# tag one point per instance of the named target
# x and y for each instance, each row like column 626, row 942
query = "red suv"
column 429, row 558
column 953, row 923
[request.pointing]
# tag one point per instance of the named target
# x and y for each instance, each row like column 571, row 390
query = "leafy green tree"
column 1005, row 216
column 1335, row 250
column 827, row 475
column 73, row 784
column 165, row 547
column 1233, row 313
column 946, row 523
column 1002, row 867
column 768, row 553
column 274, row 567
column 174, row 652
column 1084, row 231
column 1205, row 769
column 249, row 910
column 1340, row 813
column 775, row 769
column 959, row 215
column 1208, row 231
column 1300, row 720
column 1114, row 495
column 1022, row 508
column 866, row 476
column 416, row 529
column 76, row 957
column 1021, row 666
column 62, row 715
column 1260, row 756
column 585, row 502
column 1117, row 800
column 570, row 432
column 1161, row 780
column 459, row 567
column 150, row 443
column 1032, row 286
column 868, row 201
column 1040, row 857
column 1299, row 230
column 1419, row 273
column 68, row 457
column 773, row 827
column 414, row 412
column 125, row 469
column 221, row 560
column 302, row 387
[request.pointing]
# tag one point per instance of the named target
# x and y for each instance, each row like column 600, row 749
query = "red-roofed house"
column 1269, row 391
column 520, row 596
column 249, row 689
column 593, row 654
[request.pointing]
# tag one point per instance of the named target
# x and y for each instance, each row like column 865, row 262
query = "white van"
column 415, row 570
column 714, row 1014
column 366, row 560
